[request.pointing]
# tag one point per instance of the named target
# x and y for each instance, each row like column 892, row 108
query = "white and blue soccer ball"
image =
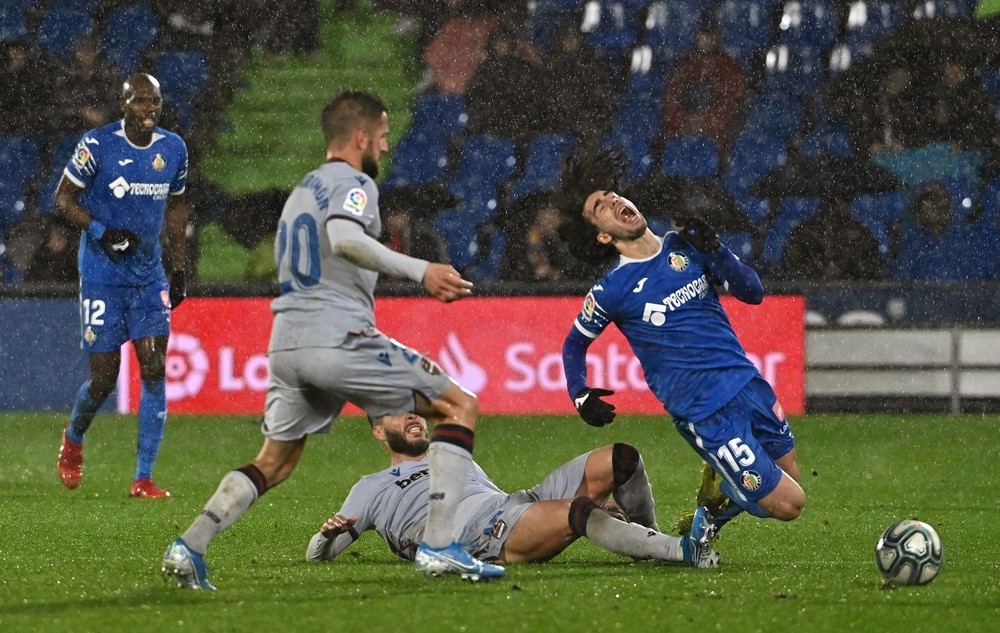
column 909, row 553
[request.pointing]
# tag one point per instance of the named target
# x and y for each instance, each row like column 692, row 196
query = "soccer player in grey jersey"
column 529, row 525
column 325, row 350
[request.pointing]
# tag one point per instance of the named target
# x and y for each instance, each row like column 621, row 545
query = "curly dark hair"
column 584, row 171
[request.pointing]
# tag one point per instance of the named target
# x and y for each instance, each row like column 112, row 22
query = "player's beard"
column 398, row 443
column 369, row 165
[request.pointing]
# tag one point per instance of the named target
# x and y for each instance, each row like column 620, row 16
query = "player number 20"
column 300, row 244
column 737, row 454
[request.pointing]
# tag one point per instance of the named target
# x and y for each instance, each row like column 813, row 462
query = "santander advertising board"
column 507, row 350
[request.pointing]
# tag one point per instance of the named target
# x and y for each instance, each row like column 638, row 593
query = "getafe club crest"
column 678, row 261
column 159, row 163
column 89, row 335
column 751, row 480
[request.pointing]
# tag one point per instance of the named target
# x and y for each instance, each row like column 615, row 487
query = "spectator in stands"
column 55, row 258
column 503, row 96
column 543, row 255
column 706, row 90
column 25, row 99
column 933, row 242
column 577, row 81
column 963, row 113
column 832, row 245
column 84, row 85
column 414, row 236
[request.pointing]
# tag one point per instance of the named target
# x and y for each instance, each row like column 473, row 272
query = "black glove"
column 178, row 288
column 592, row 409
column 697, row 233
column 119, row 244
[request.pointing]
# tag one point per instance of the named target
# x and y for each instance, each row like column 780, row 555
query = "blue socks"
column 152, row 421
column 82, row 415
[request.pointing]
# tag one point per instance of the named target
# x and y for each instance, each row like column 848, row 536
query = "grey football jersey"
column 323, row 296
column 393, row 502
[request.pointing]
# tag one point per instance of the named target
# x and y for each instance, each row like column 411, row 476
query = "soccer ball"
column 909, row 553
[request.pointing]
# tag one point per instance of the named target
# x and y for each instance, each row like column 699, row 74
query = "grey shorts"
column 492, row 523
column 309, row 386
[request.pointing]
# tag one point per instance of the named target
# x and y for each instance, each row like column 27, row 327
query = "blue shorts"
column 743, row 439
column 112, row 315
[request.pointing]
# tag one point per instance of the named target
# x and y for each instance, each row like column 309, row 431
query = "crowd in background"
column 707, row 128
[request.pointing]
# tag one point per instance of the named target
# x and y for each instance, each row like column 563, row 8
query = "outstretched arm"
column 349, row 240
column 336, row 534
column 587, row 400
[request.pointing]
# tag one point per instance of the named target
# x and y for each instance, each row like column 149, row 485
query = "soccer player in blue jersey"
column 662, row 294
column 123, row 185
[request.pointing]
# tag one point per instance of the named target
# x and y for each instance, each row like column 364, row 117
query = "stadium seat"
column 183, row 74
column 130, row 31
column 777, row 115
column 638, row 114
column 791, row 213
column 610, row 27
column 417, row 160
column 746, row 28
column 649, row 69
column 541, row 167
column 869, row 21
column 12, row 25
column 827, row 141
column 794, row 69
column 670, row 26
column 752, row 156
column 811, row 23
column 59, row 29
column 639, row 151
column 20, row 160
column 458, row 228
column 438, row 114
column 83, row 6
column 880, row 213
column 694, row 157
column 484, row 163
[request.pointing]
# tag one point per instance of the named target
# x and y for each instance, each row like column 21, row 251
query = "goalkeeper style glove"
column 698, row 233
column 592, row 409
column 117, row 243
column 178, row 288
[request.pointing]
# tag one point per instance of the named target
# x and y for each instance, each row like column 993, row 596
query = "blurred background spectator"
column 88, row 89
column 26, row 98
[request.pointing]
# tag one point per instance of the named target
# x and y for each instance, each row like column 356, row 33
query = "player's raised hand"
column 698, row 233
column 445, row 284
column 337, row 524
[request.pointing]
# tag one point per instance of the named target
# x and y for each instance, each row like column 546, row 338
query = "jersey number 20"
column 300, row 245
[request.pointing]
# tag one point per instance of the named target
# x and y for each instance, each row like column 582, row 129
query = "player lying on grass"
column 528, row 525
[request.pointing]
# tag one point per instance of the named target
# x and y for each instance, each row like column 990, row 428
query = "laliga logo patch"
column 355, row 201
column 751, row 480
column 82, row 156
column 678, row 261
column 589, row 304
column 90, row 336
column 159, row 163
column 187, row 366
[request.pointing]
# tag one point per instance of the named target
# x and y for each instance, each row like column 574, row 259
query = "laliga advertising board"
column 507, row 350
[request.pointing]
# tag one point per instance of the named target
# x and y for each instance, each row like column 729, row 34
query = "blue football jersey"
column 671, row 315
column 126, row 187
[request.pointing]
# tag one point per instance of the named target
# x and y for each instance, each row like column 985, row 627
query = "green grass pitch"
column 88, row 560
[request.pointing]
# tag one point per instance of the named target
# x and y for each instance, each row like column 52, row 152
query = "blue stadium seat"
column 827, row 141
column 438, row 114
column 130, row 31
column 791, row 213
column 417, row 160
column 670, row 26
column 752, row 156
column 638, row 114
column 59, row 29
column 541, row 167
column 83, row 6
column 61, row 154
column 649, row 69
column 794, row 69
column 869, row 21
column 778, row 115
column 20, row 160
column 484, row 163
column 811, row 23
column 610, row 27
column 746, row 28
column 694, row 157
column 12, row 25
column 182, row 74
column 639, row 151
column 880, row 213
column 458, row 228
